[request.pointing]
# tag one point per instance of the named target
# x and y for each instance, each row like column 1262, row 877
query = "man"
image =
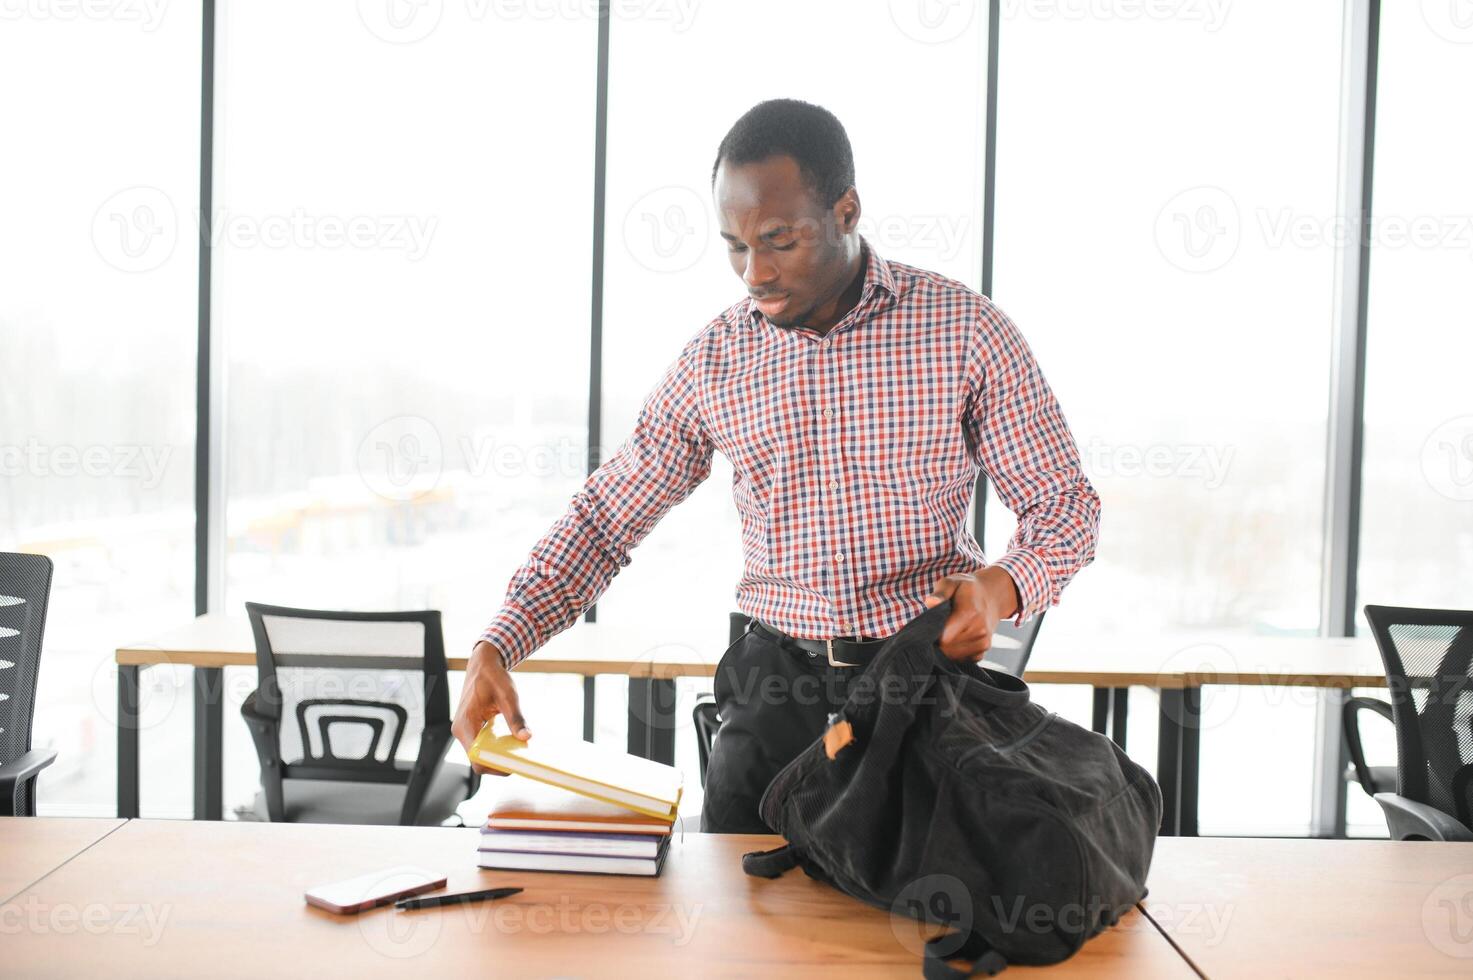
column 856, row 399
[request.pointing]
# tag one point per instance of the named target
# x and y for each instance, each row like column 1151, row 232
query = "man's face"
column 789, row 250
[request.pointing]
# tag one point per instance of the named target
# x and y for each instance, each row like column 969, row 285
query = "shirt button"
column 833, row 484
column 828, row 413
column 839, row 556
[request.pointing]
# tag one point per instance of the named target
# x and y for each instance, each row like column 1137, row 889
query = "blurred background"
column 402, row 222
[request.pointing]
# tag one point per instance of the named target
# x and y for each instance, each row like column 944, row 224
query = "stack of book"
column 581, row 807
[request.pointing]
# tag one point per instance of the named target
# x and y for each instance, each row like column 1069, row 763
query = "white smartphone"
column 373, row 889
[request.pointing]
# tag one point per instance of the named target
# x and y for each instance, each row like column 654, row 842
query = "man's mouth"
column 772, row 305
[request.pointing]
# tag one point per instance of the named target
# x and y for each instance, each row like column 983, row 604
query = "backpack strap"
column 770, row 864
column 986, row 961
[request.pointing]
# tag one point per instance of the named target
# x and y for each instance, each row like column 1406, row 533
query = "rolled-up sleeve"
column 1019, row 437
column 664, row 459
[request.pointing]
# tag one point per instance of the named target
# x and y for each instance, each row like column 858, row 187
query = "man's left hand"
column 980, row 600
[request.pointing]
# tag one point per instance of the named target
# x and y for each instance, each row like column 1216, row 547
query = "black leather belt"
column 841, row 651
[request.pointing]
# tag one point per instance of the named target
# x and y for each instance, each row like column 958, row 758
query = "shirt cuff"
column 512, row 634
column 1030, row 575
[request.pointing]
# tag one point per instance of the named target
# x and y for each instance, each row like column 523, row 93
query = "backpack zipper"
column 1015, row 744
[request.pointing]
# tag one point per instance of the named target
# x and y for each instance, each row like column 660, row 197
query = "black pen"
column 432, row 900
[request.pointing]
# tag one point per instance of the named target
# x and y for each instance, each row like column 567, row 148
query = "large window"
column 918, row 162
column 97, row 325
column 676, row 87
column 1417, row 510
column 403, row 218
column 1417, row 504
column 402, row 232
column 1166, row 189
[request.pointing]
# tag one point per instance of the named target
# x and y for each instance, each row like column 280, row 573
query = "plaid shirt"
column 855, row 458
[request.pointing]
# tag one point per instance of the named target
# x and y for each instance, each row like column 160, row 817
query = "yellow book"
column 641, row 785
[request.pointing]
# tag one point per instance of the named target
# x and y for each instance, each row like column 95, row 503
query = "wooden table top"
column 188, row 898
column 1257, row 907
column 30, row 848
column 1102, row 660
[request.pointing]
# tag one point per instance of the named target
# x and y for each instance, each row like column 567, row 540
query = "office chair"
column 25, row 587
column 338, row 694
column 1013, row 661
column 1372, row 779
column 1428, row 654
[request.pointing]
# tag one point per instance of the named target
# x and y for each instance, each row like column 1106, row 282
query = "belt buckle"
column 829, row 643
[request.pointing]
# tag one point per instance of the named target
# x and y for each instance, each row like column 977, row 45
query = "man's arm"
column 663, row 460
column 1017, row 434
column 1021, row 440
column 666, row 457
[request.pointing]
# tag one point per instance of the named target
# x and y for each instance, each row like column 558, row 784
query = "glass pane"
column 914, row 116
column 404, row 213
column 98, row 192
column 1166, row 195
column 1417, row 504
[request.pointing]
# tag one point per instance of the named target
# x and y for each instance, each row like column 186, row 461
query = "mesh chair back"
column 1012, row 659
column 25, row 586
column 352, row 692
column 1428, row 654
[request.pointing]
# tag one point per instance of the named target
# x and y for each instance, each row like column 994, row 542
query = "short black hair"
column 809, row 134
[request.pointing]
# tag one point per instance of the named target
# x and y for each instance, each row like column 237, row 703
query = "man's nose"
column 760, row 271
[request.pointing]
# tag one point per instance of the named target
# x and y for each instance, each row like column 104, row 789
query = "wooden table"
column 1176, row 666
column 1301, row 908
column 30, row 848
column 210, row 643
column 193, row 898
column 1187, row 662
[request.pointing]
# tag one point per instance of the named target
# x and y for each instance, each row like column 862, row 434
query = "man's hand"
column 980, row 600
column 488, row 692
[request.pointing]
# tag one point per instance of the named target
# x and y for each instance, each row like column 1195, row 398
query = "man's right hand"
column 488, row 692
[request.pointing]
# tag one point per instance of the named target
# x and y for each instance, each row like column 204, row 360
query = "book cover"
column 527, row 804
column 625, row 780
column 571, row 842
column 576, row 863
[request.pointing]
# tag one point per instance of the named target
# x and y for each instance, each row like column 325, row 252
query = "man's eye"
column 737, row 248
column 785, row 248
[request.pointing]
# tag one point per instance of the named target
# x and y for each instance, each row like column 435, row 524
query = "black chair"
column 1012, row 660
column 25, row 587
column 1428, row 654
column 1372, row 779
column 338, row 694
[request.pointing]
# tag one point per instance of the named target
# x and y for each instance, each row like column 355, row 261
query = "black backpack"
column 941, row 792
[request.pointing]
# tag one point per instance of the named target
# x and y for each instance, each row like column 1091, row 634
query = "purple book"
column 572, row 842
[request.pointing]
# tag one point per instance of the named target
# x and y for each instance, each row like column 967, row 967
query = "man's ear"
column 846, row 211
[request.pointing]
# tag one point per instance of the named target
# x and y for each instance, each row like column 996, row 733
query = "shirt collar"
column 877, row 276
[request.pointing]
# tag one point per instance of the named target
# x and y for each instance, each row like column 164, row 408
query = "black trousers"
column 774, row 699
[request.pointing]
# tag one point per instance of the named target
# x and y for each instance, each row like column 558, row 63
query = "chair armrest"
column 263, row 729
column 433, row 742
column 1410, row 820
column 1350, row 721
column 15, row 778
